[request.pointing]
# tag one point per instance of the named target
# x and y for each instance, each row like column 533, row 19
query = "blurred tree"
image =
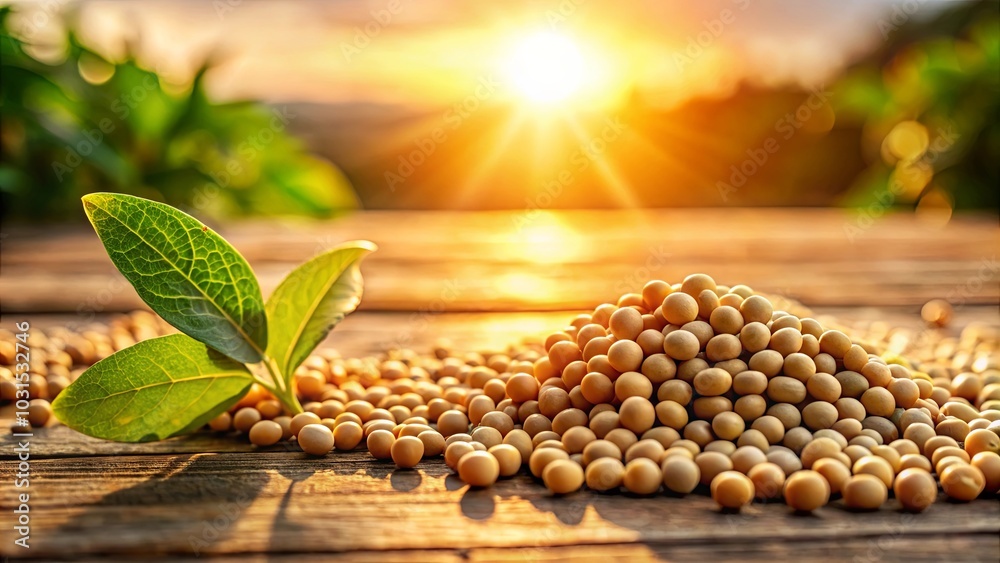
column 928, row 104
column 87, row 124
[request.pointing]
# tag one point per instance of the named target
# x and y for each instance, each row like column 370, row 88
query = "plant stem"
column 291, row 402
column 278, row 387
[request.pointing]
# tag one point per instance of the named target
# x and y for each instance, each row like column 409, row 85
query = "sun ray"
column 473, row 182
column 684, row 160
column 619, row 188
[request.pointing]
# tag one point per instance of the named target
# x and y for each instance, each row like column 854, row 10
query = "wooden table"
column 485, row 280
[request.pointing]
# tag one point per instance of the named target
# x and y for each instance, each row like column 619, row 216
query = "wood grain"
column 932, row 549
column 485, row 280
column 58, row 441
column 373, row 332
column 515, row 261
column 292, row 503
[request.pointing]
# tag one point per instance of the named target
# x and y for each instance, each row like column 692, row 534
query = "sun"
column 545, row 67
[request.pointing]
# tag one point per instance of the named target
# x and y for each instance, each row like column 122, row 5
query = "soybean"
column 315, row 439
column 563, row 476
column 605, row 474
column 407, row 451
column 732, row 489
column 865, row 492
column 478, row 469
column 806, row 490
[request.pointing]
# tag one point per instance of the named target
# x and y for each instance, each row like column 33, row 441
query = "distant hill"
column 753, row 148
column 695, row 155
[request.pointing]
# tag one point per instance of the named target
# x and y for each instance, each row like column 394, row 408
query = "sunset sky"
column 475, row 104
column 437, row 52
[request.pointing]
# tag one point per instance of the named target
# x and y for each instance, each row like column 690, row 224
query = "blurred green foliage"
column 63, row 136
column 928, row 106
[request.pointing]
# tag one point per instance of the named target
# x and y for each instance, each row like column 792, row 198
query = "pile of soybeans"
column 680, row 388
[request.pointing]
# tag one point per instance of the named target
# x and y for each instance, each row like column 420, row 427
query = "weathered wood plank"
column 929, row 549
column 106, row 500
column 58, row 441
column 367, row 333
column 488, row 286
column 397, row 556
column 373, row 332
column 289, row 502
column 502, row 261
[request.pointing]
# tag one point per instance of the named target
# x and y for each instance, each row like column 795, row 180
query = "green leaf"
column 312, row 300
column 155, row 389
column 184, row 271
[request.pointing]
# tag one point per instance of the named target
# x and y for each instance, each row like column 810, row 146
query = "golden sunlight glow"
column 542, row 237
column 545, row 67
column 515, row 286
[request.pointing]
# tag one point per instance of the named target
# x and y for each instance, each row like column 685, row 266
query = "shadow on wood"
column 201, row 502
